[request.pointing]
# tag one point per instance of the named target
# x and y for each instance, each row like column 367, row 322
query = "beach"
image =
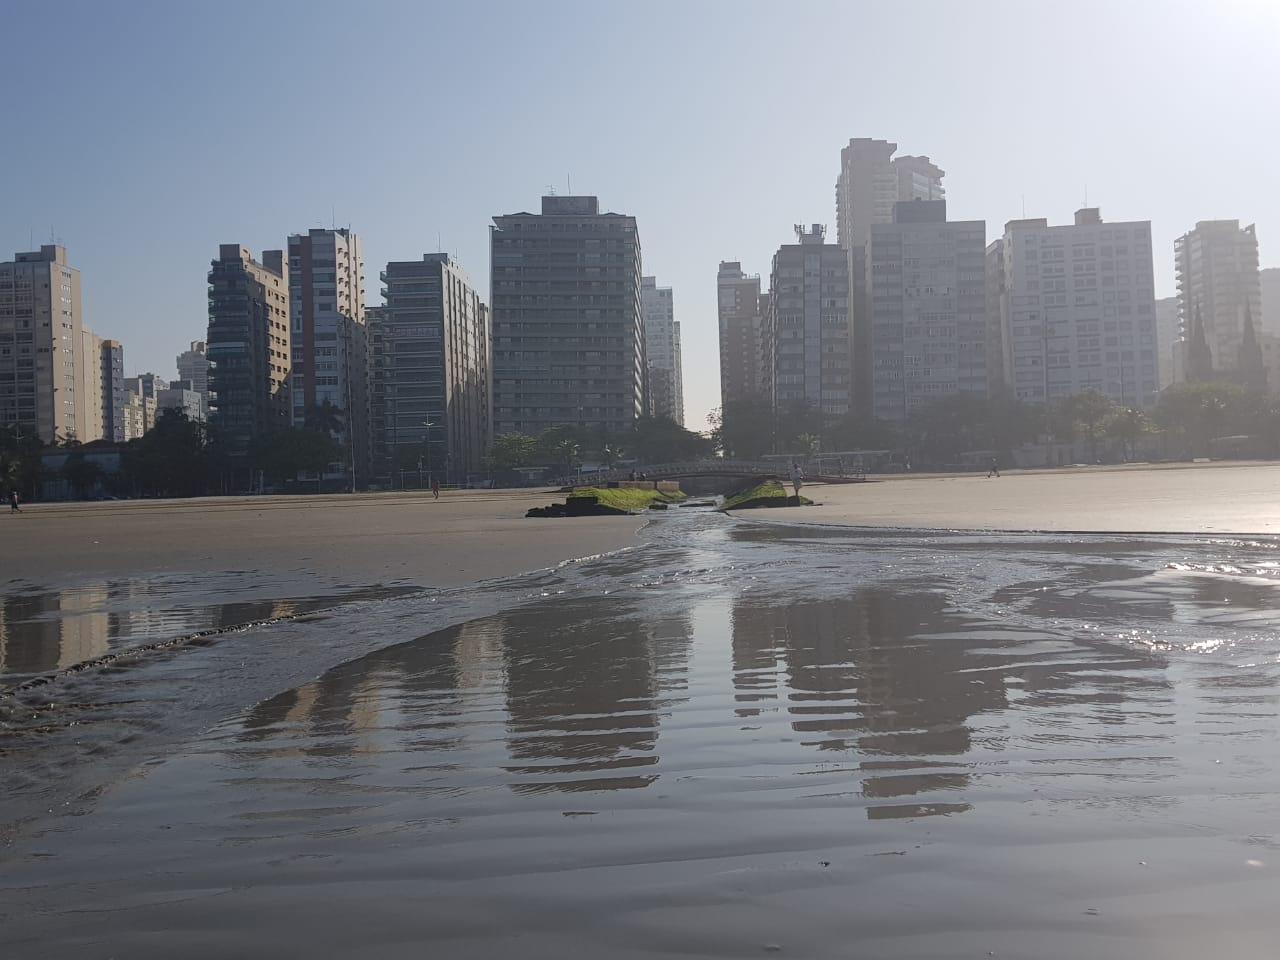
column 712, row 736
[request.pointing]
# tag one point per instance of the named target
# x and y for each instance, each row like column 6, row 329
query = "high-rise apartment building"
column 429, row 387
column 1217, row 265
column 662, row 349
column 248, row 346
column 329, row 348
column 744, row 369
column 89, row 389
column 870, row 182
column 113, row 391
column 1168, row 336
column 1077, row 310
column 193, row 366
column 42, row 345
column 1269, row 284
column 928, row 316
column 812, row 339
column 147, row 387
column 568, row 334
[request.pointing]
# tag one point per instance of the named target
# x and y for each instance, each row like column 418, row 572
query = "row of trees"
column 650, row 440
column 1185, row 420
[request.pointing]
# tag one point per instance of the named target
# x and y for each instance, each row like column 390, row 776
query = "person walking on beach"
column 435, row 488
column 13, row 501
column 994, row 471
column 797, row 477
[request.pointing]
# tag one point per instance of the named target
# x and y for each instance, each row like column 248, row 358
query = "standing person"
column 994, row 470
column 13, row 501
column 797, row 477
column 435, row 488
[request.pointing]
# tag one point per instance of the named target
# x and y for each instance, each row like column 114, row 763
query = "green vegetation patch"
column 624, row 498
column 771, row 493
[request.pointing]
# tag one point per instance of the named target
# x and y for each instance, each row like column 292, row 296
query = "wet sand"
column 362, row 539
column 737, row 740
column 1200, row 498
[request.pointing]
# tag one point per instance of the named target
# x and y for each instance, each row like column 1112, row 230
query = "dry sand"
column 1184, row 498
column 363, row 539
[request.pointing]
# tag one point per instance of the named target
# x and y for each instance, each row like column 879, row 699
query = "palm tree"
column 1128, row 426
column 326, row 417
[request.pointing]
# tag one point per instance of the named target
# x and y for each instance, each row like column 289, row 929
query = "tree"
column 81, row 474
column 1194, row 413
column 283, row 454
column 662, row 440
column 512, row 450
column 1089, row 410
column 742, row 429
column 560, row 446
column 797, row 419
column 1251, row 367
column 325, row 417
column 171, row 459
column 1128, row 425
column 1199, row 362
column 19, row 459
column 853, row 432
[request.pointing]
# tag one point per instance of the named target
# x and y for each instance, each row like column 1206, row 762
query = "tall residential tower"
column 662, row 348
column 568, row 334
column 1217, row 266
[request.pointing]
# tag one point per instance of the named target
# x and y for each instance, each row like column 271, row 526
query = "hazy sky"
column 145, row 134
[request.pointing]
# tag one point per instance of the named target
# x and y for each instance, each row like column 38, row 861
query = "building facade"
column 812, row 338
column 568, row 333
column 928, row 309
column 42, row 345
column 248, row 347
column 90, row 387
column 1077, row 310
column 180, row 397
column 872, row 180
column 1269, row 287
column 662, row 350
column 1217, row 267
column 1168, row 337
column 742, row 310
column 328, row 343
column 429, row 385
column 113, row 391
column 193, row 366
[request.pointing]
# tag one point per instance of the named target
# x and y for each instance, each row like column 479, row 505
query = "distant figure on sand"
column 995, row 469
column 797, row 477
column 13, row 502
column 435, row 488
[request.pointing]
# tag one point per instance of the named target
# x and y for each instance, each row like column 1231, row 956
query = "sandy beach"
column 1182, row 498
column 802, row 738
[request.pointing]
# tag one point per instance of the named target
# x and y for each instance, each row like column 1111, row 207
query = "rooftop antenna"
column 569, row 184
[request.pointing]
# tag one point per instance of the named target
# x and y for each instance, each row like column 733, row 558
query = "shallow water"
column 735, row 740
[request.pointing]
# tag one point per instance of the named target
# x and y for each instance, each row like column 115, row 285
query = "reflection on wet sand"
column 1023, row 750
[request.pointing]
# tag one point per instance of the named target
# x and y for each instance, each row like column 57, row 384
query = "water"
column 735, row 740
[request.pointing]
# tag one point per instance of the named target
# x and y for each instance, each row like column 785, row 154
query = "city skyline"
column 156, row 193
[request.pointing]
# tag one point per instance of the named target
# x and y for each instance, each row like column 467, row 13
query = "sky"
column 143, row 134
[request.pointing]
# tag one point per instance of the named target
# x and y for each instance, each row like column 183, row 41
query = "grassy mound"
column 605, row 501
column 771, row 493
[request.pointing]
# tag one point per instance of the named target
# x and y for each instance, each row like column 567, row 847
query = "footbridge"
column 718, row 467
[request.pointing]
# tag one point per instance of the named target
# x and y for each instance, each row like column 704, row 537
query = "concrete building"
column 809, row 318
column 329, row 348
column 42, row 345
column 1168, row 335
column 1217, row 265
column 1077, row 310
column 1269, row 285
column 248, row 348
column 133, row 415
column 429, row 386
column 662, row 350
column 745, row 371
column 870, row 182
column 113, row 391
column 929, row 309
column 89, row 388
column 193, row 366
column 180, row 397
column 568, row 334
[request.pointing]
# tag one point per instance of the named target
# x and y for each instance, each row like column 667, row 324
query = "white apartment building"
column 872, row 180
column 745, row 368
column 1217, row 266
column 1077, row 310
column 1269, row 283
column 662, row 351
column 193, row 366
column 1168, row 335
column 42, row 345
